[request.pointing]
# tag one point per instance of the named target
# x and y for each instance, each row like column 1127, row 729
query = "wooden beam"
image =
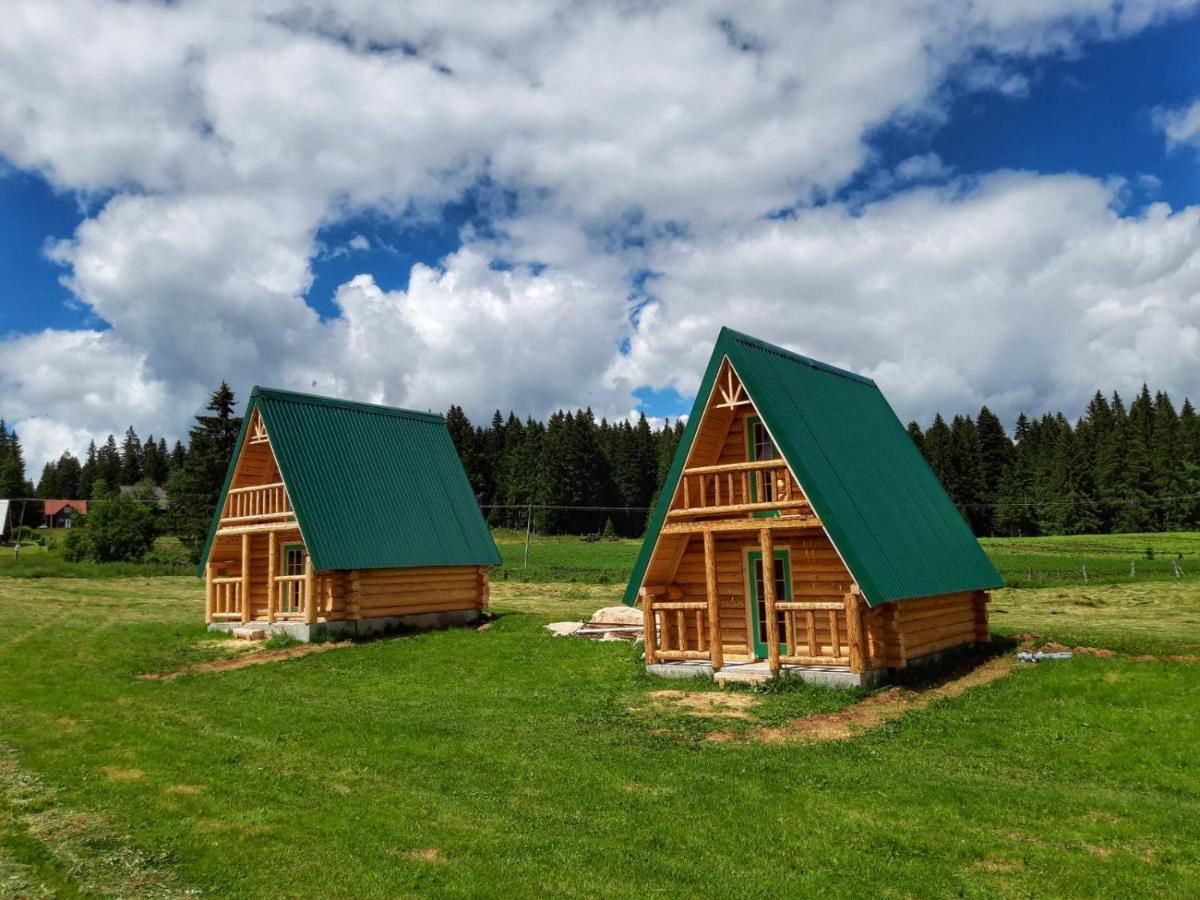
column 209, row 593
column 736, row 467
column 272, row 590
column 310, row 591
column 725, row 525
column 766, row 541
column 245, row 578
column 979, row 603
column 252, row 529
column 714, row 601
column 855, row 633
column 731, row 509
column 649, row 628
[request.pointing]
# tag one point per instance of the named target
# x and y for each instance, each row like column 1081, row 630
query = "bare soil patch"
column 706, row 704
column 885, row 706
column 248, row 659
column 116, row 773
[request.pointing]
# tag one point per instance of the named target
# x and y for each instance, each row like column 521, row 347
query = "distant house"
column 60, row 513
column 800, row 529
column 344, row 517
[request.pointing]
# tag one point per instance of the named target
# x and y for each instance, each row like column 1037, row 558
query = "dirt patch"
column 706, row 704
column 249, row 659
column 116, row 773
column 996, row 865
column 430, row 855
column 885, row 706
column 232, row 646
column 183, row 790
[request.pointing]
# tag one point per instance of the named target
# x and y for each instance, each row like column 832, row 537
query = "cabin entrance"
column 782, row 573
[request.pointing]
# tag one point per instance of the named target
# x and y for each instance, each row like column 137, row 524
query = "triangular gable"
column 371, row 486
column 884, row 510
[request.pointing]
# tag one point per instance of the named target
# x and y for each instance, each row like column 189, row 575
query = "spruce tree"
column 194, row 488
column 995, row 458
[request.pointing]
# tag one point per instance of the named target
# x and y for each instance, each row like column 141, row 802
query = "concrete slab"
column 685, row 668
column 360, row 628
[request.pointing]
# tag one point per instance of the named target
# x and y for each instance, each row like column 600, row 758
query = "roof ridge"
column 767, row 347
column 356, row 405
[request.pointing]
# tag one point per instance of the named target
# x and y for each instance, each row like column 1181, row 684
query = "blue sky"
column 1089, row 113
column 841, row 181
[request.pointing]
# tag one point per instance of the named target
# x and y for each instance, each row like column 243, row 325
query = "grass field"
column 1108, row 559
column 510, row 763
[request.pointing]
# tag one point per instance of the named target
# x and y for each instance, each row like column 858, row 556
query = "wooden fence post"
column 245, row 586
column 767, row 542
column 715, row 650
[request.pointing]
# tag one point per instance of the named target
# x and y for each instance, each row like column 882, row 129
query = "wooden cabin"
column 791, row 461
column 344, row 517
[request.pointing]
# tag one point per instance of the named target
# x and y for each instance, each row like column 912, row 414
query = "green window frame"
column 757, row 620
column 283, row 559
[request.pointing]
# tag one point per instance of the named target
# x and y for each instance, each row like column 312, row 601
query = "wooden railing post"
column 767, row 543
column 210, row 598
column 271, row 568
column 715, row 649
column 855, row 633
column 649, row 627
column 310, row 592
column 245, row 585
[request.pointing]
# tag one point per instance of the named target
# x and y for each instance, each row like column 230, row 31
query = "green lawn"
column 510, row 763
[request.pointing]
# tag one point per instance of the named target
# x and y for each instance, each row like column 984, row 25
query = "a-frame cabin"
column 791, row 460
column 344, row 517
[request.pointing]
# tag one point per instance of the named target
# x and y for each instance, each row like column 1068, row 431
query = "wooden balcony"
column 737, row 488
column 257, row 503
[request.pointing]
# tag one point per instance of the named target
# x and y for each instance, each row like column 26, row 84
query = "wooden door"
column 758, row 603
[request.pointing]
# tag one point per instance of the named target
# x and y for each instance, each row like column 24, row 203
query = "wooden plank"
column 835, row 639
column 714, row 601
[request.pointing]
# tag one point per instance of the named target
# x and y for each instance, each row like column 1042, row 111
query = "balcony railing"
column 259, row 502
column 736, row 488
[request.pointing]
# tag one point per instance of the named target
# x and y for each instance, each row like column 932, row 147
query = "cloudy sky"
column 545, row 204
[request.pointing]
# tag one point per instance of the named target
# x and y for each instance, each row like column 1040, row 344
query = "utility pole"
column 528, row 529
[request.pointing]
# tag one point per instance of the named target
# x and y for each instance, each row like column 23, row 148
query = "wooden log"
column 681, row 604
column 210, row 597
column 856, row 637
column 682, row 654
column 980, row 602
column 245, row 586
column 714, row 601
column 272, row 591
column 816, row 660
column 310, row 591
column 810, row 618
column 804, row 605
column 767, row 543
column 648, row 626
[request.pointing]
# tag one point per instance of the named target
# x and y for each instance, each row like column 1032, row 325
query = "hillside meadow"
column 441, row 763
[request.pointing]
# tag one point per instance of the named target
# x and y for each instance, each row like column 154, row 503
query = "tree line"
column 1115, row 469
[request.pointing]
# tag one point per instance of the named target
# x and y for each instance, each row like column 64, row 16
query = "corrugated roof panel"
column 883, row 507
column 373, row 487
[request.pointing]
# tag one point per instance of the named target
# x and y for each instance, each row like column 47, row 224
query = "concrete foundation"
column 358, row 628
column 759, row 673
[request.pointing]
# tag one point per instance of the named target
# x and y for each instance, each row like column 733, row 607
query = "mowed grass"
column 1107, row 558
column 510, row 763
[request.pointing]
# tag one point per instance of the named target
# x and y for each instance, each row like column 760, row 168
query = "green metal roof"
column 373, row 487
column 884, row 509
